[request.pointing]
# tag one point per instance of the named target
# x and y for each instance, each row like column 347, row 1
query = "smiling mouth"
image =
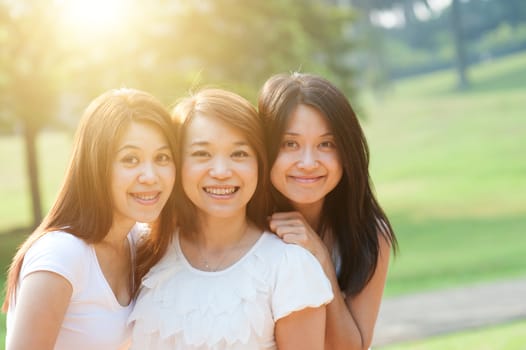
column 221, row 191
column 307, row 180
column 146, row 197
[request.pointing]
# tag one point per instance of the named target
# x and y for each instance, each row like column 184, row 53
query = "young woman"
column 70, row 285
column 223, row 282
column 324, row 198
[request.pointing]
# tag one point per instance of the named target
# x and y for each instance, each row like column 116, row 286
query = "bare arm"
column 40, row 307
column 304, row 329
column 350, row 321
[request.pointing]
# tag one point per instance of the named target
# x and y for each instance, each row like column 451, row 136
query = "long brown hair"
column 84, row 206
column 350, row 211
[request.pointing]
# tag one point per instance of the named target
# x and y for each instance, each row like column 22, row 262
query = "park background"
column 440, row 88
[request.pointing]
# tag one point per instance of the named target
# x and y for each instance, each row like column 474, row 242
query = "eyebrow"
column 291, row 133
column 126, row 147
column 206, row 143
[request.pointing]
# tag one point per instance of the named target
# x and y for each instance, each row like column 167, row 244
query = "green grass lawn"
column 510, row 336
column 448, row 167
column 450, row 170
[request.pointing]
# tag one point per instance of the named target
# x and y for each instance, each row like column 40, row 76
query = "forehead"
column 212, row 130
column 140, row 131
column 306, row 119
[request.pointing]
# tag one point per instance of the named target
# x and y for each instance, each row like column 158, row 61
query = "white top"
column 94, row 318
column 181, row 307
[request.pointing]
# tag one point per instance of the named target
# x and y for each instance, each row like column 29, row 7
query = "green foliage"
column 505, row 37
column 239, row 44
column 489, row 28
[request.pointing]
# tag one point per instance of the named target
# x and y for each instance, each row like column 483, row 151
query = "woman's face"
column 308, row 165
column 143, row 174
column 219, row 168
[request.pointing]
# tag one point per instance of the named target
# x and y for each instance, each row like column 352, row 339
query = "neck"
column 311, row 212
column 222, row 232
column 117, row 235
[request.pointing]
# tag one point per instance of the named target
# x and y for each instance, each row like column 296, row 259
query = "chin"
column 148, row 218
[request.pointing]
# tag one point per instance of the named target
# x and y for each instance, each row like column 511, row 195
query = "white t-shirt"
column 94, row 318
column 181, row 307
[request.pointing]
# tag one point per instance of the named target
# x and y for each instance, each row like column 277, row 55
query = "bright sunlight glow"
column 93, row 16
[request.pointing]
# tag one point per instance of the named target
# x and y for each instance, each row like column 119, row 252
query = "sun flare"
column 93, row 16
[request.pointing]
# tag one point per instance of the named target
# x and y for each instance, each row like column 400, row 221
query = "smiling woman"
column 80, row 260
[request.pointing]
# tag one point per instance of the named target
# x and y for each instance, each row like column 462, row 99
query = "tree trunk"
column 458, row 37
column 30, row 135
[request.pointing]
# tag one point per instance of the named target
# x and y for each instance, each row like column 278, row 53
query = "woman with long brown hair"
column 71, row 283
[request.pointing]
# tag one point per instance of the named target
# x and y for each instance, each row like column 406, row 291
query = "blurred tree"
column 374, row 59
column 461, row 62
column 240, row 43
column 411, row 21
column 31, row 71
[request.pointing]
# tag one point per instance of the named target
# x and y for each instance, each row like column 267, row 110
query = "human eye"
column 199, row 154
column 327, row 145
column 163, row 158
column 239, row 154
column 289, row 145
column 130, row 160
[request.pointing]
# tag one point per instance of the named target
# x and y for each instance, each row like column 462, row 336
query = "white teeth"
column 144, row 197
column 220, row 191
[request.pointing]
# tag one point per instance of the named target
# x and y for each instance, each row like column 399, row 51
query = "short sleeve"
column 58, row 252
column 300, row 283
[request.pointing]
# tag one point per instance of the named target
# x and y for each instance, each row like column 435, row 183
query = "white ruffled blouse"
column 181, row 307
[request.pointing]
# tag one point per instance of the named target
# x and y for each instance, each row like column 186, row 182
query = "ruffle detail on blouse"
column 180, row 307
column 165, row 307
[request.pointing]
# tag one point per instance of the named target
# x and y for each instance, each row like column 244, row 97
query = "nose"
column 148, row 173
column 220, row 168
column 308, row 159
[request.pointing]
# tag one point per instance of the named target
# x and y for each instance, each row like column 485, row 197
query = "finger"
column 287, row 215
column 287, row 222
column 284, row 230
column 294, row 238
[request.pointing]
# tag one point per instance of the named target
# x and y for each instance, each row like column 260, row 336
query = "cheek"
column 281, row 163
column 335, row 167
column 252, row 168
column 278, row 177
column 121, row 177
column 168, row 174
column 185, row 176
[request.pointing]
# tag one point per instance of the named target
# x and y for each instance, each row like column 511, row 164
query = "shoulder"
column 59, row 242
column 287, row 252
column 59, row 252
column 285, row 256
column 298, row 280
column 276, row 246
